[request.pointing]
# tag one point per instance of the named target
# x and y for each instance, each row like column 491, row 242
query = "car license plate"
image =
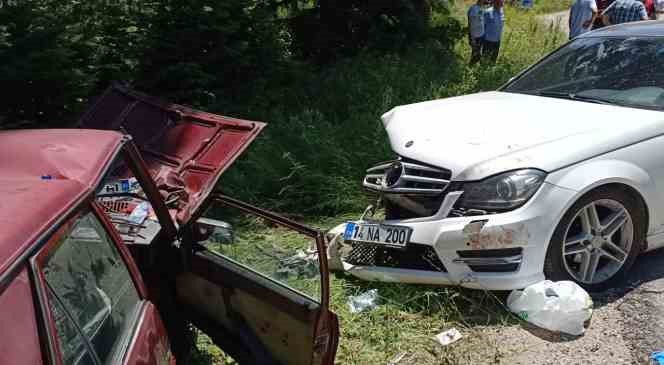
column 382, row 234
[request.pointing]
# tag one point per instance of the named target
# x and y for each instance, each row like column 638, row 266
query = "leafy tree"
column 55, row 54
column 199, row 50
column 333, row 28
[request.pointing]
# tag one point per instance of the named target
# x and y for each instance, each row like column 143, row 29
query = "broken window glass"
column 91, row 282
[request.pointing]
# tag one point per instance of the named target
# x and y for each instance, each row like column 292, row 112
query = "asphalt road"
column 642, row 306
column 626, row 327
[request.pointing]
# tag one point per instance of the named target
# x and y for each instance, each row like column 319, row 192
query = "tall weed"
column 324, row 124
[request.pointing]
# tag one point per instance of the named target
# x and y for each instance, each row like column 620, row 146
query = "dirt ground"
column 626, row 327
column 559, row 20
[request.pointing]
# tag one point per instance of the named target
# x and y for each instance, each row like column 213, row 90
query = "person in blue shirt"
column 582, row 15
column 494, row 19
column 476, row 30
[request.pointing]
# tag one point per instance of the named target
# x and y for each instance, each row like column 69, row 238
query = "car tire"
column 573, row 251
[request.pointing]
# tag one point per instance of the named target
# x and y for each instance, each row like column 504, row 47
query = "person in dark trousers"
column 476, row 30
column 494, row 20
column 624, row 11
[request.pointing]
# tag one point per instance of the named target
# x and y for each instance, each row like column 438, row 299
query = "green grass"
column 325, row 131
column 405, row 320
column 552, row 6
column 324, row 125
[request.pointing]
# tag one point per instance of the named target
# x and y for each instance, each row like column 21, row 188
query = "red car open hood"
column 186, row 150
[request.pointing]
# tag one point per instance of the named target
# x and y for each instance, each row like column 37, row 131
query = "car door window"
column 90, row 285
column 278, row 253
column 72, row 345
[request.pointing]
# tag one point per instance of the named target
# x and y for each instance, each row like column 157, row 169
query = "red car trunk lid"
column 186, row 150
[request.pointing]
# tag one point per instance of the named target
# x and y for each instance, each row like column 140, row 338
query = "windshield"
column 621, row 71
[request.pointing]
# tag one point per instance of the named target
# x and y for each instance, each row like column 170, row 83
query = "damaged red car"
column 114, row 244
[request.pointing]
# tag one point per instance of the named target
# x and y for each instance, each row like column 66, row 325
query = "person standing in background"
column 624, row 11
column 601, row 6
column 582, row 15
column 650, row 8
column 494, row 20
column 659, row 9
column 476, row 30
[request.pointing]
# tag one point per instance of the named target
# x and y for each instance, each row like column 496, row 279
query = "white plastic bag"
column 559, row 307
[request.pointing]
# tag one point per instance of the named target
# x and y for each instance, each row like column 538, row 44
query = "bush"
column 333, row 28
column 235, row 58
column 324, row 125
column 198, row 51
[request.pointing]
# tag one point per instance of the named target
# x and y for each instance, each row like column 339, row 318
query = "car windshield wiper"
column 573, row 96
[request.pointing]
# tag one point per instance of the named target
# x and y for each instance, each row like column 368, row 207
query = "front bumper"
column 495, row 252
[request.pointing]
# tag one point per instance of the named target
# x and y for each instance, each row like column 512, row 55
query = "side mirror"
column 215, row 231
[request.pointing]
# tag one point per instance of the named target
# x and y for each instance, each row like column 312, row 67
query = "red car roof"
column 43, row 173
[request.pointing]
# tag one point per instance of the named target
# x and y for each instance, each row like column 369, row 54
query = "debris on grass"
column 555, row 306
column 301, row 265
column 364, row 301
column 334, row 247
column 397, row 358
column 447, row 337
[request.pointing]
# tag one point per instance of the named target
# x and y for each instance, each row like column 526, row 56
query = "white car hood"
column 482, row 134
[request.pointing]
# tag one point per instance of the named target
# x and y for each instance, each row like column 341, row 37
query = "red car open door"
column 261, row 298
column 262, row 288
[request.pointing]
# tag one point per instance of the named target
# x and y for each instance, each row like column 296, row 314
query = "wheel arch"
column 626, row 176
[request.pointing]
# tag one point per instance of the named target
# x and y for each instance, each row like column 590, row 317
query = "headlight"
column 502, row 192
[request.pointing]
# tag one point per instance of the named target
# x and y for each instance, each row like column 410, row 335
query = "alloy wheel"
column 598, row 241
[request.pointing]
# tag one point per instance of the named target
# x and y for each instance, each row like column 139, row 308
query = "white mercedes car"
column 558, row 175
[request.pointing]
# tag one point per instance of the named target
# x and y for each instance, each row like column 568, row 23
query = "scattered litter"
column 47, row 177
column 364, row 301
column 447, row 337
column 398, row 357
column 335, row 238
column 119, row 186
column 118, row 205
column 556, row 306
column 657, row 358
column 140, row 213
column 301, row 265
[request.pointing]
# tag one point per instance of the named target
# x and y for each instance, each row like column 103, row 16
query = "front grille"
column 413, row 257
column 407, row 177
column 399, row 206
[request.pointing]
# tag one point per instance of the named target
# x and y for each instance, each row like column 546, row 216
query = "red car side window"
column 72, row 345
column 90, row 293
